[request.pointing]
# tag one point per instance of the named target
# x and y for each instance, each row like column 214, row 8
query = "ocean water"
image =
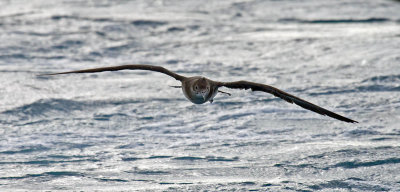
column 130, row 131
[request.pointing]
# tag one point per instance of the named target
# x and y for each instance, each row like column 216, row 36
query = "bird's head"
column 201, row 87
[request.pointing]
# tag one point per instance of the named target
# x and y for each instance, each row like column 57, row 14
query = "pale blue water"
column 130, row 131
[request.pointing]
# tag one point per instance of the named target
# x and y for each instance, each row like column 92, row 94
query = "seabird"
column 199, row 89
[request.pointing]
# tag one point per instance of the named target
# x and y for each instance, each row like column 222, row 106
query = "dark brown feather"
column 285, row 96
column 127, row 67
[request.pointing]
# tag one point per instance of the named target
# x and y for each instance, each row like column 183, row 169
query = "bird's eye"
column 195, row 88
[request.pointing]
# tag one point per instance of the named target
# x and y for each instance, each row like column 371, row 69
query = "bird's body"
column 199, row 89
column 190, row 93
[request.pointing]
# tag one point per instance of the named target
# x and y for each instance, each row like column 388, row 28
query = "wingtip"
column 355, row 122
column 51, row 74
column 350, row 121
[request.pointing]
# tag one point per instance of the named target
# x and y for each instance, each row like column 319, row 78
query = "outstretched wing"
column 125, row 67
column 285, row 96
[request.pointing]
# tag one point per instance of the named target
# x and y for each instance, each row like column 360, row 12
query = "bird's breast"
column 196, row 99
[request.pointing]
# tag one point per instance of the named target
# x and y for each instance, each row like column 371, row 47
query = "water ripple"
column 357, row 164
column 335, row 21
column 26, row 149
column 54, row 174
column 351, row 184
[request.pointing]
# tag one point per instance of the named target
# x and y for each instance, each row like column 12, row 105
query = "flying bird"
column 199, row 89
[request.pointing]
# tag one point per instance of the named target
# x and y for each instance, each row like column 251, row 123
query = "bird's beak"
column 204, row 96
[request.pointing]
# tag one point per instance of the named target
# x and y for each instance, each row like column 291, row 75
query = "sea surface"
column 131, row 131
